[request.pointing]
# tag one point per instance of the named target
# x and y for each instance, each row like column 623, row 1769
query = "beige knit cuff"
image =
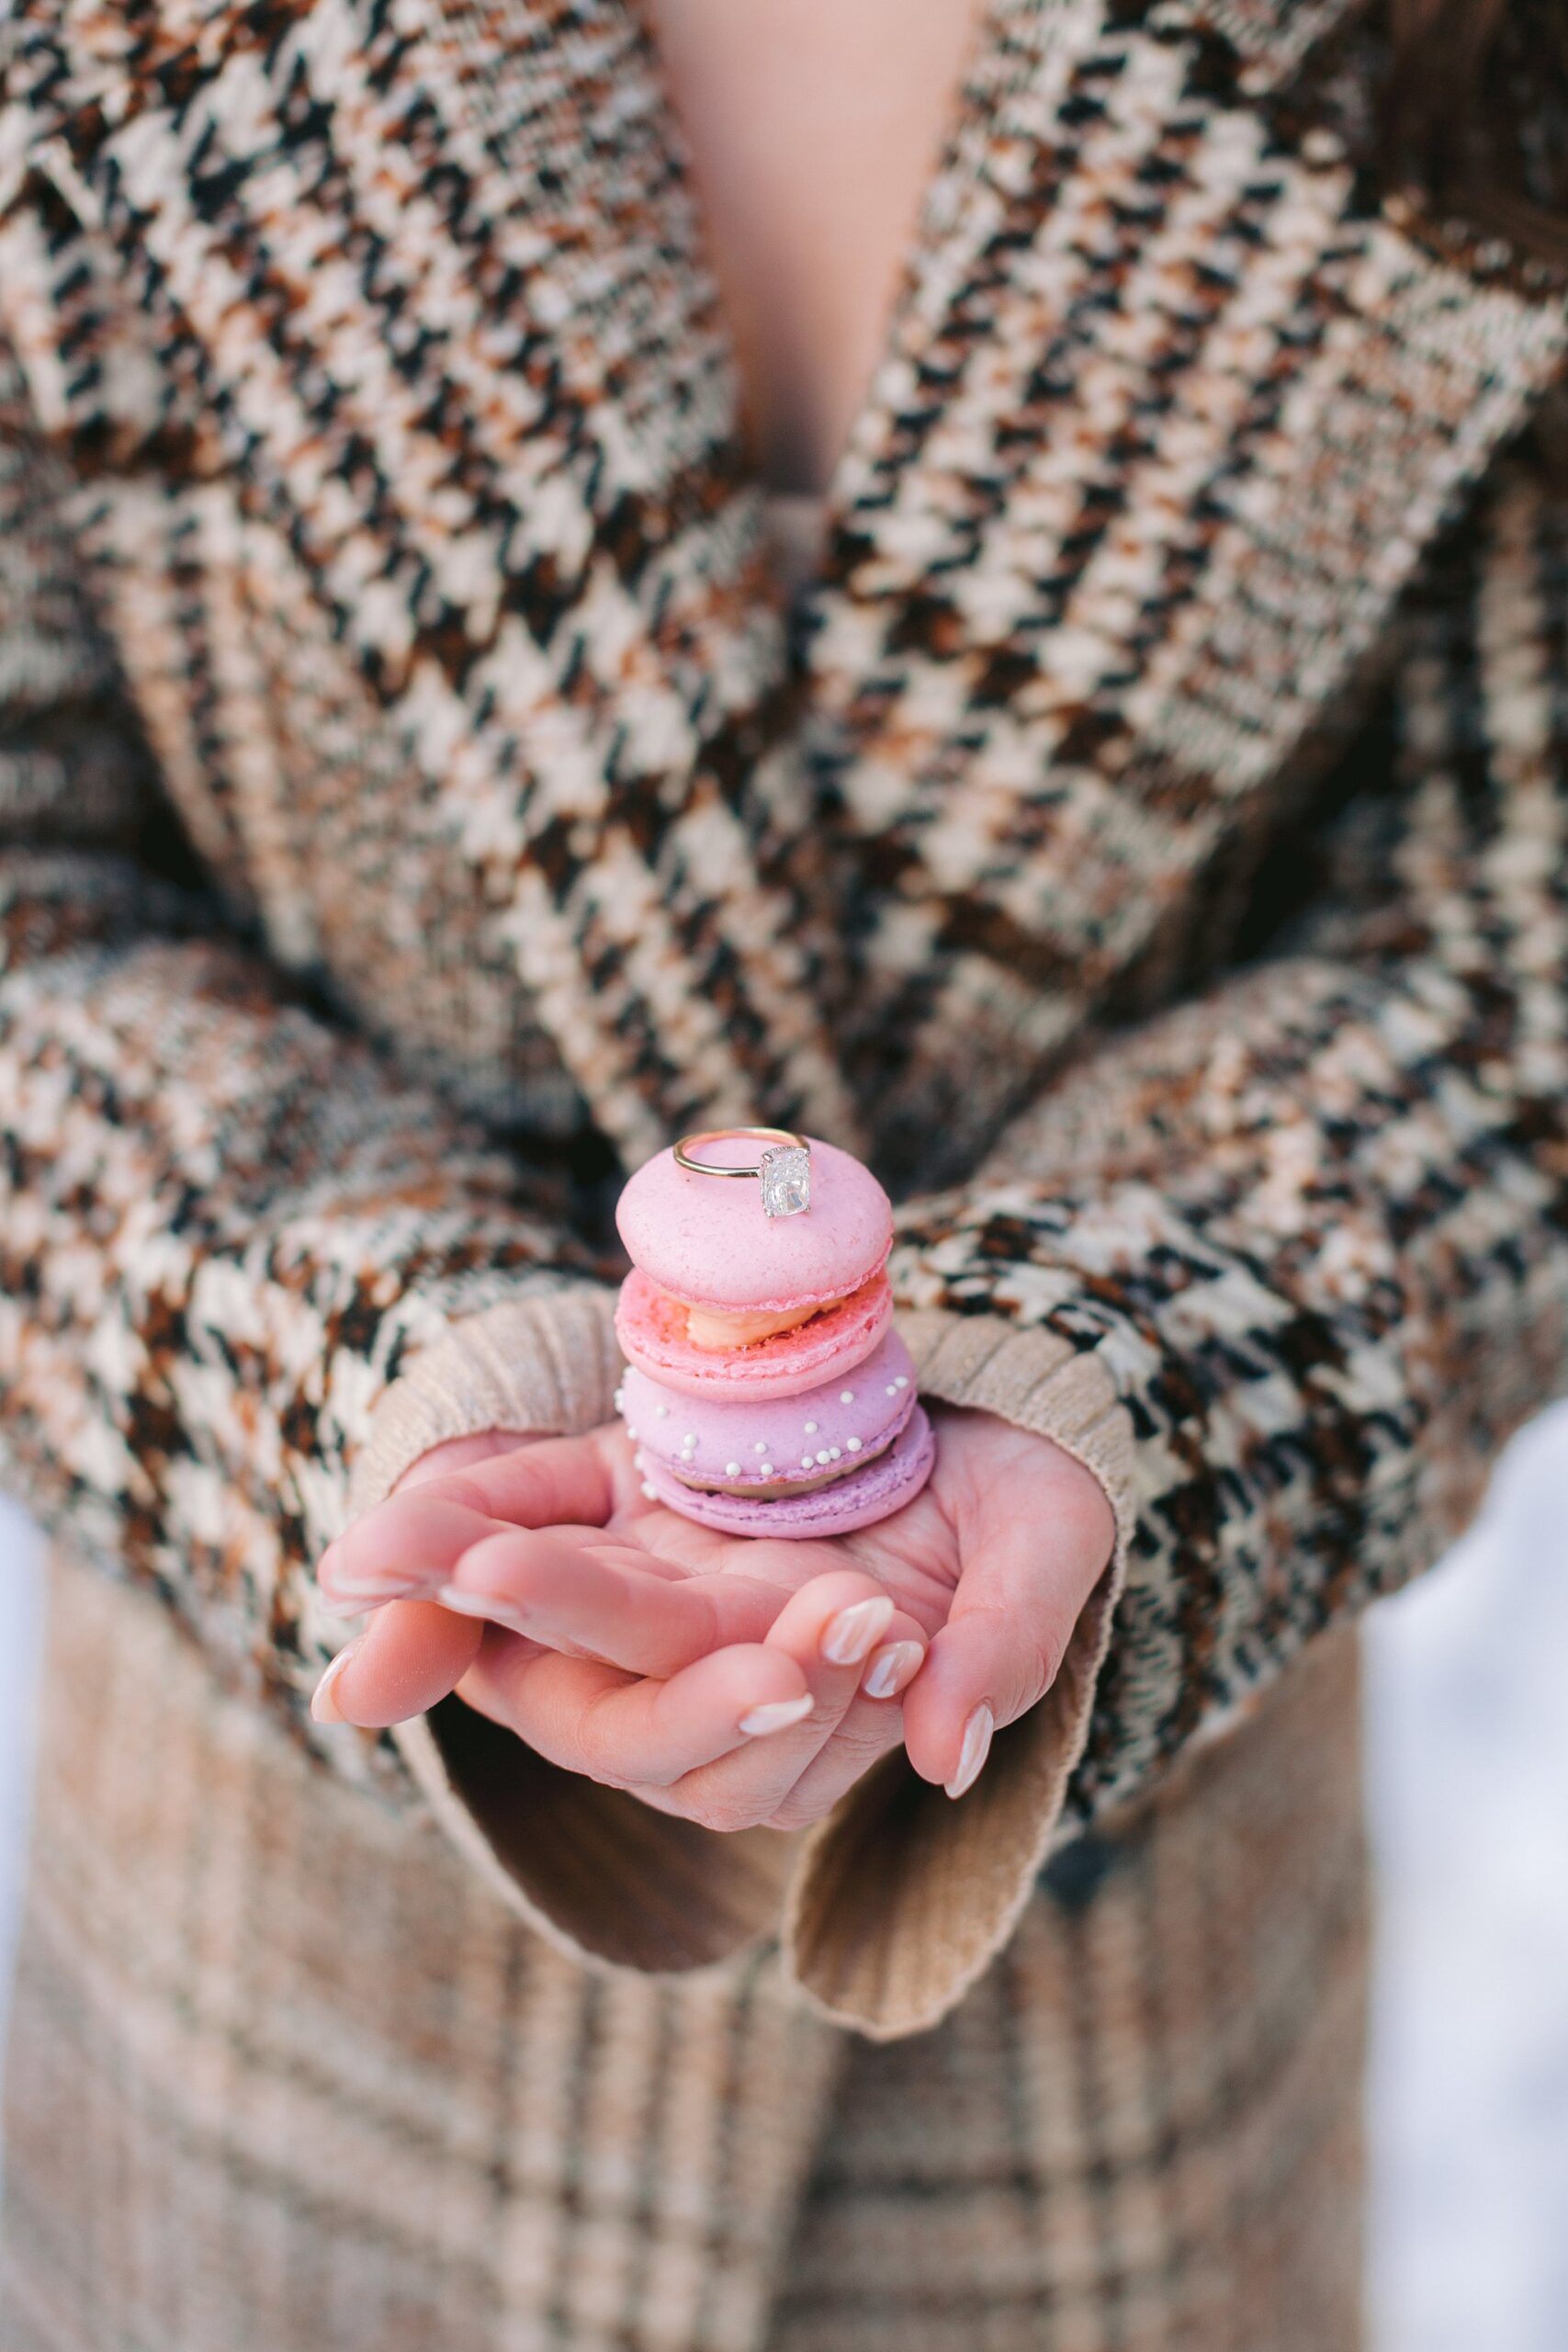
column 893, row 1907
column 545, row 1363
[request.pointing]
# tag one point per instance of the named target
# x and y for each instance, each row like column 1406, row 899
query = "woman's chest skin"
column 813, row 127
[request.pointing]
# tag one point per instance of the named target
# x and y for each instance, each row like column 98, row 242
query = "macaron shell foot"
column 860, row 1500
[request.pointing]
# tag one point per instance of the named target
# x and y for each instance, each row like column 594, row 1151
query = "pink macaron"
column 702, row 1243
column 651, row 1329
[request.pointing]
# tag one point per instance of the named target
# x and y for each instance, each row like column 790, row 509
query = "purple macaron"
column 825, row 1460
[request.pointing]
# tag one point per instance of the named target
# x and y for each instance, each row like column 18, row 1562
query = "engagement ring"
column 783, row 1168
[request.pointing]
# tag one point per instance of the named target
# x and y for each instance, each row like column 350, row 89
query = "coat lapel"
column 1173, row 406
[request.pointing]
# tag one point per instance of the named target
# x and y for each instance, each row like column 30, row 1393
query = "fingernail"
column 854, row 1630
column 489, row 1606
column 465, row 1604
column 324, row 1708
column 976, row 1748
column 892, row 1668
column 777, row 1716
column 354, row 1593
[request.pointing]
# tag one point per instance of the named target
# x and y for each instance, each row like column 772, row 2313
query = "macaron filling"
column 718, row 1329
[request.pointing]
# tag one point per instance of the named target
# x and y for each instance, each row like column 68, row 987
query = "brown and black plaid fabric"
column 287, row 2077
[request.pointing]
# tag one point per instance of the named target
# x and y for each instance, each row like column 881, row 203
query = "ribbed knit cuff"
column 903, row 1897
column 546, row 1363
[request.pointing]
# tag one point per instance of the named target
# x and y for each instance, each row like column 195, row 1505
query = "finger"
column 458, row 1454
column 828, row 1630
column 629, row 1731
column 408, row 1655
column 562, row 1479
column 411, row 1542
column 575, row 1589
column 1006, row 1634
column 865, row 1734
column 868, row 1729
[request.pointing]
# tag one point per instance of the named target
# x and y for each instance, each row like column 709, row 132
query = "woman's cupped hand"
column 735, row 1682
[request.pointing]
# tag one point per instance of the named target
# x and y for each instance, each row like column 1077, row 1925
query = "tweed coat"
column 1145, row 835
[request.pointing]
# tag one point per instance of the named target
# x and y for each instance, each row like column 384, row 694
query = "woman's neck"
column 813, row 127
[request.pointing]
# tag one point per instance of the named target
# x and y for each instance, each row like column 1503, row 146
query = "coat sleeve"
column 1286, row 1266
column 225, row 1225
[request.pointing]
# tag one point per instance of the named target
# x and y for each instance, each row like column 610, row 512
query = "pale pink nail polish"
column 350, row 1595
column 324, row 1708
column 489, row 1606
column 855, row 1631
column 977, row 1746
column 465, row 1604
column 777, row 1716
column 892, row 1668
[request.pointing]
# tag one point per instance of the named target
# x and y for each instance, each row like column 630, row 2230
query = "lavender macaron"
column 810, row 1464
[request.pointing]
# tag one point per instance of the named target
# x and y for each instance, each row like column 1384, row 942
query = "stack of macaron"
column 766, row 1391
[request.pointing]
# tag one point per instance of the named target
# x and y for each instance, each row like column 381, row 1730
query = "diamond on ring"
column 785, row 1172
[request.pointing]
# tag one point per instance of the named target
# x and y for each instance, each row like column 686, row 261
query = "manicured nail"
column 489, row 1606
column 892, row 1668
column 857, row 1630
column 777, row 1716
column 976, row 1748
column 324, row 1708
column 351, row 1596
column 466, row 1604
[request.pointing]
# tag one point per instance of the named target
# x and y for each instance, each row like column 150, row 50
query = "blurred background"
column 1468, row 1791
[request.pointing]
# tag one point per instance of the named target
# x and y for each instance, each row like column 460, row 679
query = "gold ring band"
column 690, row 1143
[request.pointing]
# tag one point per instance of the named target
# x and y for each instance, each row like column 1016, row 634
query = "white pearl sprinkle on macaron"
column 808, row 1461
column 631, row 1433
column 852, row 1444
column 767, row 1469
column 824, row 1456
column 661, row 1412
column 846, row 1396
column 652, row 1492
column 732, row 1469
column 902, row 1381
column 760, row 1446
column 811, row 1429
column 833, row 1454
column 892, row 1388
